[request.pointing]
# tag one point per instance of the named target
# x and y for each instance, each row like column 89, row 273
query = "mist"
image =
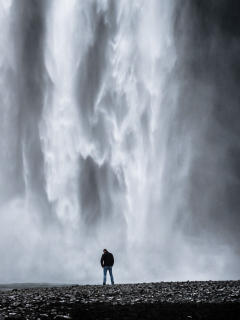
column 119, row 129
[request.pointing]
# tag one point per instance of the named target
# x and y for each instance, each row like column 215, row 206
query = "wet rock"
column 199, row 300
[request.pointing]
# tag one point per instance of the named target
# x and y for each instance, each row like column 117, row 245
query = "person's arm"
column 113, row 259
column 102, row 261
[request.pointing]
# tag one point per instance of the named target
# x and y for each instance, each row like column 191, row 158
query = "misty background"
column 119, row 129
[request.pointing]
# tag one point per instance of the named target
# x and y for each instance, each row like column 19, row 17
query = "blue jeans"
column 109, row 269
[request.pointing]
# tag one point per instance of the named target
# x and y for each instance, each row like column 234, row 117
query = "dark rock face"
column 165, row 300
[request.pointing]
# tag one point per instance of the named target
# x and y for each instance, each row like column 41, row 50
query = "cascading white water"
column 88, row 109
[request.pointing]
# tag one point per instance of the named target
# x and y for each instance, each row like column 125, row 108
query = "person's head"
column 104, row 250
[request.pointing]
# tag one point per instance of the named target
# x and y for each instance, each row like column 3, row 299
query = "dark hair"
column 104, row 250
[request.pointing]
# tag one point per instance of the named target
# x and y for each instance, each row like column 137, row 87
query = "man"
column 107, row 262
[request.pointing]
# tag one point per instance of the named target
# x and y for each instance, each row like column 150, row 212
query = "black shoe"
column 104, row 284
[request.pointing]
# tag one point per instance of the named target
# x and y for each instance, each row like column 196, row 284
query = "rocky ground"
column 165, row 300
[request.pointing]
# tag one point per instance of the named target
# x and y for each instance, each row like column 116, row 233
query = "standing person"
column 107, row 261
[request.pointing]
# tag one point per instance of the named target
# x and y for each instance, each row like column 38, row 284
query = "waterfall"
column 107, row 141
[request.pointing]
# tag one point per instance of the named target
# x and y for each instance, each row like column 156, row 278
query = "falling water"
column 106, row 144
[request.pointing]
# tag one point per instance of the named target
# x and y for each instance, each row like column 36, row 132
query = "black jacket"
column 107, row 260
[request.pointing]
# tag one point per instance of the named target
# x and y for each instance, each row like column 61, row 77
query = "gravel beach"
column 164, row 300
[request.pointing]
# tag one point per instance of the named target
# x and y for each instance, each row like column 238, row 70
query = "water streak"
column 94, row 151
